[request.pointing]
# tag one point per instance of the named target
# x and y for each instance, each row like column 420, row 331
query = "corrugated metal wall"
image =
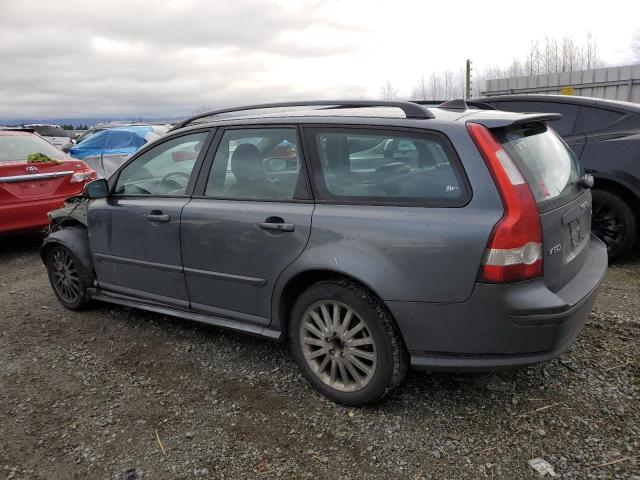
column 616, row 83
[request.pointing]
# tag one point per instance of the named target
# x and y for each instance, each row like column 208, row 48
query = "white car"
column 53, row 134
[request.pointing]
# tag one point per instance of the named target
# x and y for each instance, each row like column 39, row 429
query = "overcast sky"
column 150, row 58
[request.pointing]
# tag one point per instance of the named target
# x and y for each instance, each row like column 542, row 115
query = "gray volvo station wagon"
column 370, row 236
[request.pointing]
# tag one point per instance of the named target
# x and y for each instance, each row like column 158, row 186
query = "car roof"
column 569, row 99
column 374, row 117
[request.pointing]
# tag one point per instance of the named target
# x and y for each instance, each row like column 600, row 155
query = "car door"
column 565, row 127
column 249, row 218
column 135, row 232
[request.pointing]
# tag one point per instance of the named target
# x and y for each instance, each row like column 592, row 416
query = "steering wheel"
column 169, row 184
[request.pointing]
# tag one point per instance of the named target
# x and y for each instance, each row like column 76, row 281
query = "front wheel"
column 69, row 278
column 346, row 343
column 613, row 222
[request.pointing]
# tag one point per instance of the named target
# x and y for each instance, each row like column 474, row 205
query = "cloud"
column 139, row 58
column 154, row 58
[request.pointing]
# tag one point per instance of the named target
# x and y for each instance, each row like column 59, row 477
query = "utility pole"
column 467, row 80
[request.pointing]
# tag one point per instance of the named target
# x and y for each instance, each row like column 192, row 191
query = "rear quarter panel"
column 407, row 253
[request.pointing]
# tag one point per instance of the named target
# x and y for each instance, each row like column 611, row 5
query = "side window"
column 564, row 126
column 256, row 164
column 164, row 169
column 591, row 119
column 397, row 168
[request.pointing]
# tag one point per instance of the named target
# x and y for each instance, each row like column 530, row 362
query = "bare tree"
column 515, row 69
column 203, row 109
column 435, row 87
column 635, row 45
column 460, row 84
column 550, row 56
column 532, row 62
column 569, row 55
column 388, row 91
column 421, row 90
column 447, row 78
column 590, row 53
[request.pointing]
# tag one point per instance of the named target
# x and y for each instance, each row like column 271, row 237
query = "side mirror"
column 97, row 189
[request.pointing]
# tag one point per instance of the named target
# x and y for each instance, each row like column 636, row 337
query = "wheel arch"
column 290, row 288
column 75, row 237
column 613, row 185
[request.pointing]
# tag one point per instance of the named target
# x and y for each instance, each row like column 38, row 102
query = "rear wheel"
column 69, row 278
column 346, row 343
column 613, row 222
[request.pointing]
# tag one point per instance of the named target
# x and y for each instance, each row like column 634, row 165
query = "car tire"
column 613, row 222
column 362, row 356
column 70, row 279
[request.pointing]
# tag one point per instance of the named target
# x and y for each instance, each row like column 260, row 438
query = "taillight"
column 514, row 252
column 84, row 175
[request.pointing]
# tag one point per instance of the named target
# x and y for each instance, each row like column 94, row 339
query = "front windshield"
column 17, row 148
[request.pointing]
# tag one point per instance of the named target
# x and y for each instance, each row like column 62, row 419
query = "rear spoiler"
column 498, row 119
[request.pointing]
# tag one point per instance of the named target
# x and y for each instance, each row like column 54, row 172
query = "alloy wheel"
column 65, row 275
column 609, row 224
column 338, row 346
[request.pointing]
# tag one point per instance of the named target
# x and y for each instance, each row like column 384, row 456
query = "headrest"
column 246, row 163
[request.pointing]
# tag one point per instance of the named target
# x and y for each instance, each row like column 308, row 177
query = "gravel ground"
column 95, row 394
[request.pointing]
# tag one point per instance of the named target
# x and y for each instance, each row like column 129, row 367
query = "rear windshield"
column 16, row 148
column 547, row 163
column 49, row 130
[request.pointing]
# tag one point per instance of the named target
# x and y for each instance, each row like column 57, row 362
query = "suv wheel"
column 69, row 278
column 613, row 222
column 346, row 343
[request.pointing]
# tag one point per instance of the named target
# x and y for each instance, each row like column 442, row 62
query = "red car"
column 29, row 190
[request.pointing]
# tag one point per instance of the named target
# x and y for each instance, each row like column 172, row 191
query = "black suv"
column 605, row 136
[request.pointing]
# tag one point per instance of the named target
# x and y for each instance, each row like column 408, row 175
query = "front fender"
column 75, row 238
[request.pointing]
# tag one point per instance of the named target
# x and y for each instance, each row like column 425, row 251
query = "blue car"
column 108, row 149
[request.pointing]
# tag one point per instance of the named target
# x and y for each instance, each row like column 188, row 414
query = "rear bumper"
column 502, row 326
column 29, row 215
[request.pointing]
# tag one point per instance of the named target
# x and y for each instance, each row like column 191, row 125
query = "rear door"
column 552, row 172
column 250, row 220
column 135, row 233
column 395, row 220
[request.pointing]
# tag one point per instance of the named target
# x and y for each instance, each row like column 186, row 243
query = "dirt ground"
column 119, row 394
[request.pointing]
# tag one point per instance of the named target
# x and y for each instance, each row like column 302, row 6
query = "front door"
column 248, row 223
column 135, row 232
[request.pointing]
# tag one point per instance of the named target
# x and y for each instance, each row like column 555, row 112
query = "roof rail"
column 411, row 110
column 430, row 103
column 462, row 104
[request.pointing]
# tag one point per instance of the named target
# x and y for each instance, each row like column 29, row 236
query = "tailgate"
column 553, row 174
column 565, row 235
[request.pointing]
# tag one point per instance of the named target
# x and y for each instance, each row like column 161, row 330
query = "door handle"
column 277, row 226
column 157, row 216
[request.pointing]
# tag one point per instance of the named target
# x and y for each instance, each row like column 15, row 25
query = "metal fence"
column 615, row 83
